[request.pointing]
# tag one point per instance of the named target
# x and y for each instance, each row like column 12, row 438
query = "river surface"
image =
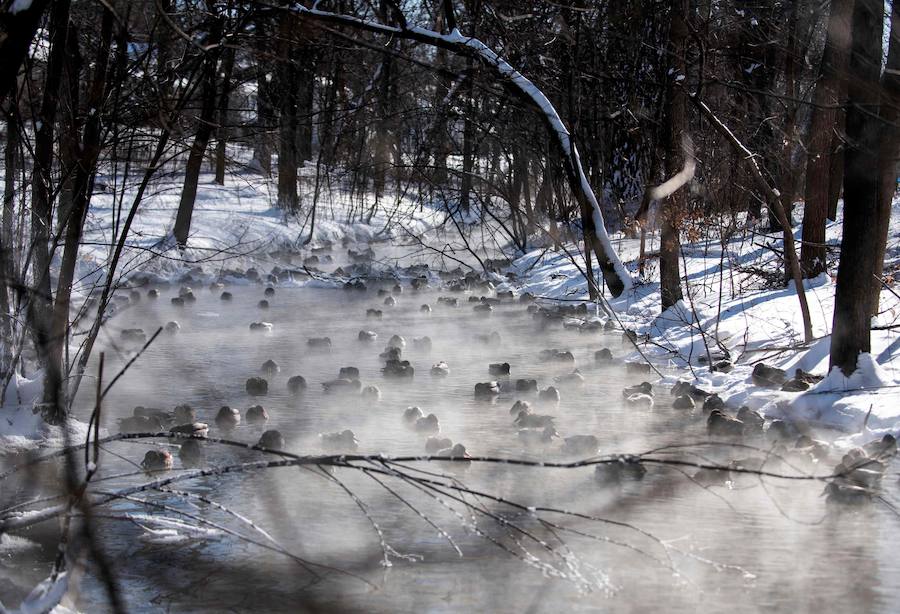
column 703, row 545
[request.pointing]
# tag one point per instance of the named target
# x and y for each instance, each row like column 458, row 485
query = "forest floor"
column 733, row 302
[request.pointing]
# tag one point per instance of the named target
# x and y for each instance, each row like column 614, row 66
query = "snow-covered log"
column 615, row 275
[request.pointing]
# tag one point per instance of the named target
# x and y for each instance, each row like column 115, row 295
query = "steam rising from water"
column 763, row 553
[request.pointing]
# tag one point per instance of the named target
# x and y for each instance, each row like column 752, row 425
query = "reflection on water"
column 745, row 547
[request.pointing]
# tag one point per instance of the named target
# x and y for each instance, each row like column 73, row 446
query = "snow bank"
column 728, row 310
column 44, row 598
column 237, row 226
column 21, row 425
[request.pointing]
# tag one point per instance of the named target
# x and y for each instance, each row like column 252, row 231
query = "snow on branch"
column 616, row 276
column 682, row 177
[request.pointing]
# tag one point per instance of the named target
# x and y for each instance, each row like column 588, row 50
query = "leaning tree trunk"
column 852, row 302
column 822, row 138
column 201, row 140
column 676, row 128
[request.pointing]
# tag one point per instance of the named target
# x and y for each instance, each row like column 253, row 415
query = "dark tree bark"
column 69, row 140
column 288, row 158
column 757, row 47
column 167, row 42
column 305, row 103
column 331, row 101
column 16, row 33
column 675, row 205
column 201, row 138
column 888, row 155
column 794, row 52
column 224, row 103
column 262, row 151
column 439, row 144
column 8, row 276
column 82, row 188
column 852, row 303
column 384, row 124
column 468, row 144
column 822, row 139
column 40, row 298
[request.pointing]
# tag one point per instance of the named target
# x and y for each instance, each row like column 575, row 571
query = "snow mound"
column 868, row 374
column 22, row 427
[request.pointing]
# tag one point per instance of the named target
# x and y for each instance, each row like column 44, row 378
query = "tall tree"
column 822, row 138
column 89, row 145
column 890, row 151
column 8, row 276
column 265, row 112
column 40, row 300
column 222, row 123
column 288, row 122
column 675, row 204
column 852, row 303
column 205, row 125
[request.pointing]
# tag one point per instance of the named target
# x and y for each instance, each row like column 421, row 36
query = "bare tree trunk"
column 468, row 145
column 89, row 147
column 201, row 139
column 786, row 172
column 331, row 102
column 822, row 139
column 305, row 105
column 530, row 221
column 8, row 276
column 167, row 42
column 69, row 140
column 439, row 142
column 383, row 138
column 40, row 299
column 224, row 103
column 288, row 198
column 852, row 301
column 262, row 151
column 888, row 155
column 675, row 205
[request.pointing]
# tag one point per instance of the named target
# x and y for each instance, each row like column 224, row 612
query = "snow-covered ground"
column 237, row 226
column 726, row 307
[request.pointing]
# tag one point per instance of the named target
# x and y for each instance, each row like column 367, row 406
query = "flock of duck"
column 859, row 471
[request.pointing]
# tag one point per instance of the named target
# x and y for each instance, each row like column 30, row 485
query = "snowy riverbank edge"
column 755, row 325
